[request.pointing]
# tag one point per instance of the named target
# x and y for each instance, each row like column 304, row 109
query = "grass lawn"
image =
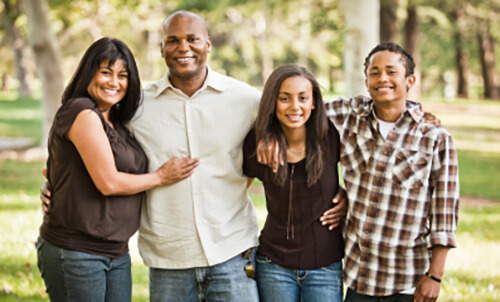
column 472, row 269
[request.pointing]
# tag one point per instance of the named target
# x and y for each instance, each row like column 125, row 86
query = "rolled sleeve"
column 444, row 208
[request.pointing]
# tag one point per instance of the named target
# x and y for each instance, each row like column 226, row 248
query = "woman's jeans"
column 276, row 283
column 78, row 276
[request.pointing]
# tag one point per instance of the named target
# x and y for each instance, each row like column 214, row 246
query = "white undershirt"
column 384, row 127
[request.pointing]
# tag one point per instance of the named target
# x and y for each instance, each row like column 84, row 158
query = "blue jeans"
column 226, row 282
column 78, row 276
column 277, row 283
column 353, row 296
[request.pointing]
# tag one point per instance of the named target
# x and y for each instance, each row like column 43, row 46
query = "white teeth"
column 384, row 88
column 295, row 117
column 109, row 91
column 183, row 59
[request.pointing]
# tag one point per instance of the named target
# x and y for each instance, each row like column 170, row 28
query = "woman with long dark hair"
column 96, row 171
column 299, row 258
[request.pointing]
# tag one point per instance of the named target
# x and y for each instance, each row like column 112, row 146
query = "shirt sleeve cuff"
column 443, row 238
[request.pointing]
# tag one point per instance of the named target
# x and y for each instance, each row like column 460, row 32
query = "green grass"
column 21, row 118
column 471, row 270
column 479, row 173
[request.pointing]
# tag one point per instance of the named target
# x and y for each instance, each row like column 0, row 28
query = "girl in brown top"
column 96, row 171
column 299, row 258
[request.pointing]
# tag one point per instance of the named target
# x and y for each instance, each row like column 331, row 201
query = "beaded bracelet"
column 433, row 277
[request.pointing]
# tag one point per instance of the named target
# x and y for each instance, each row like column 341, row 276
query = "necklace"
column 298, row 153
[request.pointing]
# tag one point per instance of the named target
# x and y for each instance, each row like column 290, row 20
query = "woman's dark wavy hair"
column 107, row 50
column 267, row 124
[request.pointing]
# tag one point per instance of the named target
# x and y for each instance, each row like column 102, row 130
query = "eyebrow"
column 288, row 93
column 188, row 35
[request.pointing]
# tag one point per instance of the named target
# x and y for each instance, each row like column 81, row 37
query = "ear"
column 161, row 49
column 410, row 81
column 209, row 44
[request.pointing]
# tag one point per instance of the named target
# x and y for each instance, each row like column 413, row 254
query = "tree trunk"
column 388, row 20
column 411, row 44
column 17, row 43
column 267, row 62
column 361, row 35
column 48, row 59
column 305, row 32
column 462, row 59
column 487, row 55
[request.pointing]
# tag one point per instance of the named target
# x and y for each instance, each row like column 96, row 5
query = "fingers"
column 44, row 172
column 45, row 198
column 332, row 218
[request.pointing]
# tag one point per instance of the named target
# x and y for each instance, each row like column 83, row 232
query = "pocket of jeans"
column 38, row 245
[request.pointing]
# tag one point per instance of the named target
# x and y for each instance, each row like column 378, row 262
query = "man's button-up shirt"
column 207, row 218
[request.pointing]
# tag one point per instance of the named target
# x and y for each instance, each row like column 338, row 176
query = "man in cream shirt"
column 193, row 233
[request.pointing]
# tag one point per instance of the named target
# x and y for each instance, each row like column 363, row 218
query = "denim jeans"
column 78, row 276
column 226, row 282
column 353, row 296
column 277, row 283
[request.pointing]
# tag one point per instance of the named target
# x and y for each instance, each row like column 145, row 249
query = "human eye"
column 193, row 39
column 283, row 99
column 171, row 41
column 105, row 71
column 123, row 75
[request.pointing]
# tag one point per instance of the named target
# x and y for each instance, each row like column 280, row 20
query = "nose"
column 383, row 76
column 113, row 80
column 183, row 45
column 294, row 104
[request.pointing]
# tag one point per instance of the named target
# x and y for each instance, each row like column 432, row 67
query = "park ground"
column 471, row 271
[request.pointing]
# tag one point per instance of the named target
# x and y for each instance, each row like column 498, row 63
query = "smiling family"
column 196, row 139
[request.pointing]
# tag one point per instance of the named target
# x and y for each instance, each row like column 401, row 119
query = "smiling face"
column 185, row 46
column 386, row 80
column 109, row 84
column 295, row 103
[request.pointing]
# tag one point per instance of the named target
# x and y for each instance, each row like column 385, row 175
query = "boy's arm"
column 444, row 216
column 428, row 288
column 338, row 110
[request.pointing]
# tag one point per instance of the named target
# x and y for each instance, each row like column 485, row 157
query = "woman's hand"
column 176, row 170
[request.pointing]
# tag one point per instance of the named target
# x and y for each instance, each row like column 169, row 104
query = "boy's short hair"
column 393, row 47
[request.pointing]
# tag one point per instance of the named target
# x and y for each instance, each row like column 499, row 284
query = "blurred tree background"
column 453, row 40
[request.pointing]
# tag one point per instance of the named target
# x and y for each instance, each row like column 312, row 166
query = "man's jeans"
column 78, row 276
column 277, row 283
column 353, row 296
column 226, row 282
